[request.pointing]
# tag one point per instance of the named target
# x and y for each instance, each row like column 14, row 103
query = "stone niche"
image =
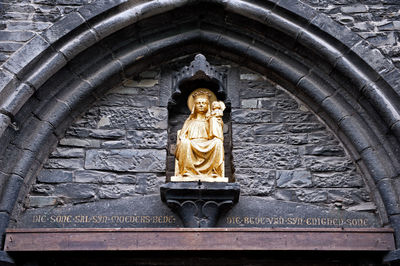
column 107, row 169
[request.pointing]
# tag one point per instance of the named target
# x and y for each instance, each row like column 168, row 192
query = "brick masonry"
column 376, row 21
column 280, row 150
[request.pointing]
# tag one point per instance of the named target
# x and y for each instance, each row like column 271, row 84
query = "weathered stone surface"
column 148, row 138
column 96, row 133
column 347, row 197
column 255, row 181
column 311, row 196
column 73, row 163
column 264, row 129
column 323, row 150
column 292, row 117
column 127, row 90
column 256, row 89
column 126, row 160
column 119, row 100
column 98, row 177
column 68, row 153
column 293, row 178
column 343, row 179
column 135, row 118
column 76, row 191
column 116, row 191
column 249, row 117
column 328, row 164
column 322, row 138
column 116, row 144
column 271, row 139
column 43, row 189
column 54, row 176
column 270, row 157
column 298, row 139
column 74, row 142
column 304, row 128
column 42, row 201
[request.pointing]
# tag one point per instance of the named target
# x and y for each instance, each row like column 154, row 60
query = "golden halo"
column 190, row 100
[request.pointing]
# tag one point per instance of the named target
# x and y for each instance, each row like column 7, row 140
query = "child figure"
column 216, row 123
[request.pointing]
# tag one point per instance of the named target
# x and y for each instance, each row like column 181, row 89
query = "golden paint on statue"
column 200, row 143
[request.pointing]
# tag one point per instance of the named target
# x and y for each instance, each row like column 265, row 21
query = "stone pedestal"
column 199, row 204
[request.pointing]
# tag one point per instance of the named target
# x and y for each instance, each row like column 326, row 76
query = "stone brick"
column 304, row 128
column 43, row 189
column 129, row 100
column 75, row 142
column 42, row 201
column 96, row 133
column 343, row 179
column 255, row 181
column 76, row 191
column 10, row 193
column 322, row 150
column 250, row 117
column 131, row 160
column 271, row 139
column 264, row 129
column 116, row 191
column 98, row 177
column 241, row 133
column 9, row 46
column 293, row 178
column 54, row 176
column 292, row 117
column 270, row 157
column 311, row 196
column 347, row 197
column 297, row 139
column 126, row 89
column 134, row 118
column 116, row 144
column 256, row 89
column 156, row 139
column 68, row 153
column 337, row 164
column 57, row 163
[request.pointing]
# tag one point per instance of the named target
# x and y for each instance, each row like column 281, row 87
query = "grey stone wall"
column 280, row 150
column 377, row 21
column 116, row 149
column 21, row 20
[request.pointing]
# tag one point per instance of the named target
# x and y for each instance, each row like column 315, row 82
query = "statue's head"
column 200, row 99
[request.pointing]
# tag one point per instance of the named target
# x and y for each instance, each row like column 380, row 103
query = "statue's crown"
column 201, row 92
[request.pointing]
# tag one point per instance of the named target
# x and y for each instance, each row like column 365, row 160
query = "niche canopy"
column 200, row 73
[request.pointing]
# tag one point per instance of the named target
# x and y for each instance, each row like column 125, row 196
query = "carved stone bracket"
column 201, row 71
column 200, row 204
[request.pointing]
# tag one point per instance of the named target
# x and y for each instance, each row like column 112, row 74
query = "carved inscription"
column 103, row 219
column 297, row 221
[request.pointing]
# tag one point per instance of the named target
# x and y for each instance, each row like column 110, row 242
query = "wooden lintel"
column 64, row 239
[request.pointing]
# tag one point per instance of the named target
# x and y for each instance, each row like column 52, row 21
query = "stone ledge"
column 64, row 239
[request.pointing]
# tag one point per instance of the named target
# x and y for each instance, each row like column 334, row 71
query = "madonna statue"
column 200, row 143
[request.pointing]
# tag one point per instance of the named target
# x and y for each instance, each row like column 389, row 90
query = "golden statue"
column 200, row 143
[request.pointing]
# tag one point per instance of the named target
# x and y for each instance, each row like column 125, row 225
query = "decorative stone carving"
column 198, row 70
column 200, row 204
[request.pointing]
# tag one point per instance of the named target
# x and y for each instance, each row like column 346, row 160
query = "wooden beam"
column 77, row 239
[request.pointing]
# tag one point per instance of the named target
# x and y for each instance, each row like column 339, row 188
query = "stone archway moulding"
column 373, row 80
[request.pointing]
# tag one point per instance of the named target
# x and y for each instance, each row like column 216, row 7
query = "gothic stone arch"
column 50, row 81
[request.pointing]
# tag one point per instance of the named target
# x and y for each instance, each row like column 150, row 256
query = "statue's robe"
column 198, row 152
